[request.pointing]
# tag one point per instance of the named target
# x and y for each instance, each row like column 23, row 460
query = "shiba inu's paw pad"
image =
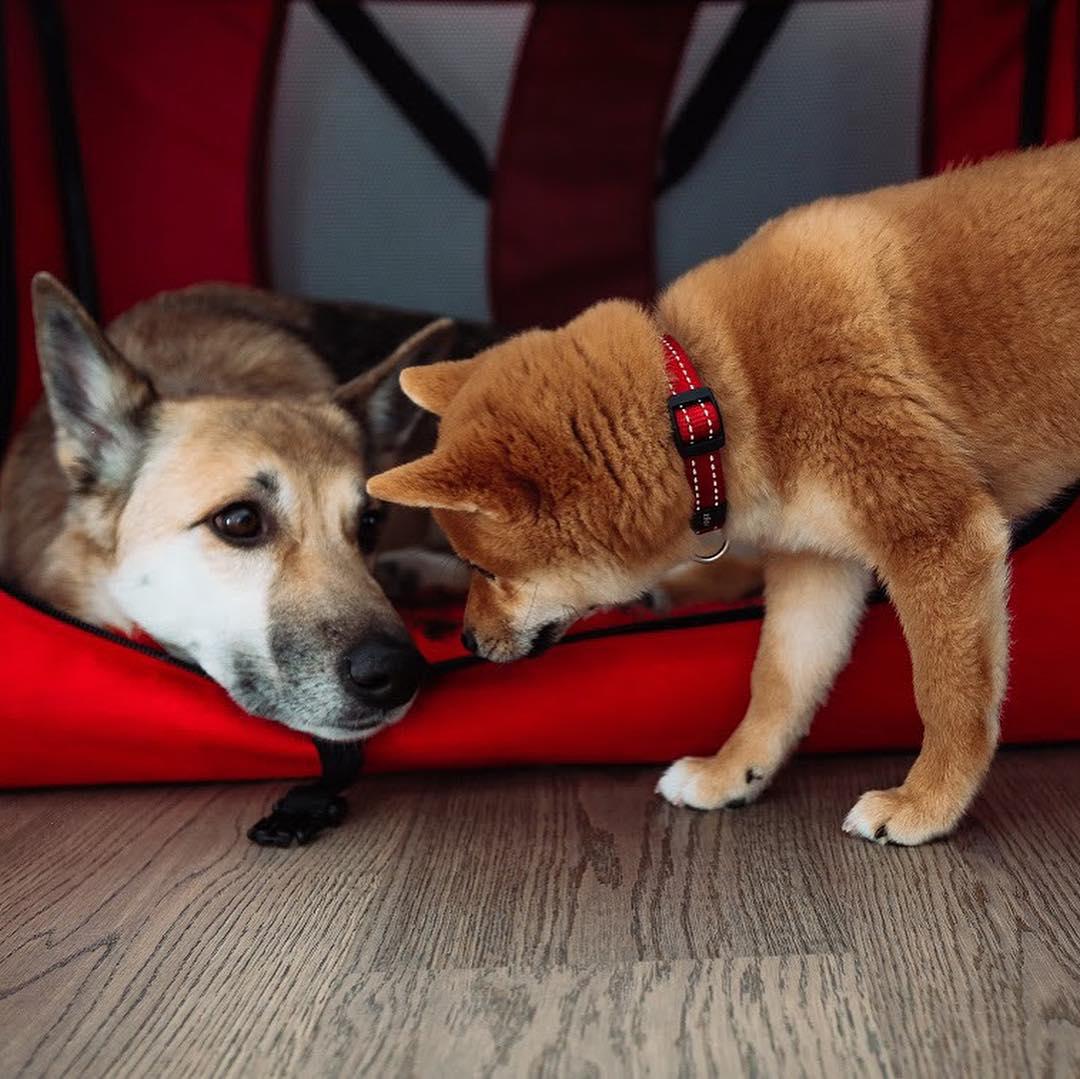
column 901, row 817
column 711, row 783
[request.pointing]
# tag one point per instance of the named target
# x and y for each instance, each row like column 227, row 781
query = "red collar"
column 699, row 435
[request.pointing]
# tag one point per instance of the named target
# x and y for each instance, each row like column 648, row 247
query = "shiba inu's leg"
column 812, row 607
column 732, row 578
column 951, row 601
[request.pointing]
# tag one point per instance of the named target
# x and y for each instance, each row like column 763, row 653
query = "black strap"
column 443, row 130
column 1037, row 37
column 52, row 41
column 311, row 807
column 712, row 99
column 9, row 295
column 447, row 134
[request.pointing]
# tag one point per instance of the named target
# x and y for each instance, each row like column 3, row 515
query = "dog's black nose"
column 468, row 639
column 385, row 672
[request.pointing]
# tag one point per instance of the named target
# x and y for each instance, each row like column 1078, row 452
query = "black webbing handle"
column 310, row 808
column 1037, row 37
column 439, row 125
column 9, row 296
column 715, row 95
column 52, row 43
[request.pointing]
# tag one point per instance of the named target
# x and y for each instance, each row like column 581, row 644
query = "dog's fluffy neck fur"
column 655, row 466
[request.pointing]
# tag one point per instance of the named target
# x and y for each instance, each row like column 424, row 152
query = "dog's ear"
column 439, row 482
column 387, row 417
column 98, row 401
column 435, row 386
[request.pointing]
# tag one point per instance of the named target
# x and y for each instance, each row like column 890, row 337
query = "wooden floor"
column 543, row 923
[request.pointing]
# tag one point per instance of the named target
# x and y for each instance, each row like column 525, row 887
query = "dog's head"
column 237, row 532
column 553, row 476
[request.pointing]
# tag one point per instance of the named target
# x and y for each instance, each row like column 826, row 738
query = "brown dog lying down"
column 198, row 471
column 899, row 377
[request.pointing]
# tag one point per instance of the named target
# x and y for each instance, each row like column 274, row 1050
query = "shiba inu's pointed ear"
column 98, row 401
column 438, row 482
column 387, row 417
column 435, row 386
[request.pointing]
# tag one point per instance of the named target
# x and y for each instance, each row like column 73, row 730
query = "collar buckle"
column 701, row 396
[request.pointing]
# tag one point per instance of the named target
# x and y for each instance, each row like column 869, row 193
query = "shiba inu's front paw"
column 903, row 817
column 719, row 782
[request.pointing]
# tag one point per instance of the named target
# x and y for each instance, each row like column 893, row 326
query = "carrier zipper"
column 45, row 608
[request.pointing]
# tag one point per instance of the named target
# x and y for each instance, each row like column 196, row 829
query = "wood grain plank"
column 796, row 1016
column 559, row 922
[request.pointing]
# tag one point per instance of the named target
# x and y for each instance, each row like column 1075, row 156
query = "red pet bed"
column 142, row 126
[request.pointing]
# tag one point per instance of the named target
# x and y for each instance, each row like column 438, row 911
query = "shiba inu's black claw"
column 882, row 833
column 735, row 803
column 752, row 774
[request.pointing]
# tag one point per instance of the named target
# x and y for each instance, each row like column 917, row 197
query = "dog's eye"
column 241, row 523
column 367, row 529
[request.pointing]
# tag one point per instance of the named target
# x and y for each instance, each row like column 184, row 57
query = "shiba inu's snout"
column 506, row 620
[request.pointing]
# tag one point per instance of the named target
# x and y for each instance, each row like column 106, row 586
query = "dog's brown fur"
column 899, row 377
column 195, row 400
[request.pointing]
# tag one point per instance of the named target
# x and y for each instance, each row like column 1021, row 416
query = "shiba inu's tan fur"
column 899, row 377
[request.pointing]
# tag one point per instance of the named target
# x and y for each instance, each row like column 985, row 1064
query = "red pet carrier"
column 148, row 146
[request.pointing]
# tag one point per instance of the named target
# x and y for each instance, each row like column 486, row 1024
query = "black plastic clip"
column 701, row 396
column 709, row 519
column 299, row 817
column 309, row 809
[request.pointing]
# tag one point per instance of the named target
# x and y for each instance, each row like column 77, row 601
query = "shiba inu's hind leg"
column 813, row 605
column 950, row 596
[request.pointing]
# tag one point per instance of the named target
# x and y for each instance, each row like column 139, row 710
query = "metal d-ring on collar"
column 715, row 556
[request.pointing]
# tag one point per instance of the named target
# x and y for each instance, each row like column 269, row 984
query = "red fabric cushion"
column 79, row 708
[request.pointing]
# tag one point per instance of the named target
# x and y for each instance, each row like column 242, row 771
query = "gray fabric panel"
column 834, row 107
column 360, row 208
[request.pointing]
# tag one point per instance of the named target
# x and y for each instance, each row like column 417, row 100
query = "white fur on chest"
column 815, row 519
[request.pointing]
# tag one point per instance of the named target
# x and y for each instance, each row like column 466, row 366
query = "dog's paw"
column 711, row 783
column 902, row 817
column 398, row 575
column 409, row 573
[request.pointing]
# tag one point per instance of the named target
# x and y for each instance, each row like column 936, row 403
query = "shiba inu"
column 197, row 472
column 898, row 378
